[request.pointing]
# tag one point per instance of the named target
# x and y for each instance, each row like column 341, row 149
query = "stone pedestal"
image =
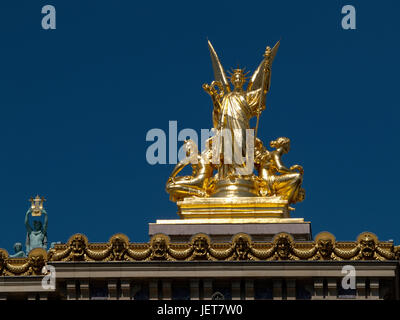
column 222, row 230
column 223, row 217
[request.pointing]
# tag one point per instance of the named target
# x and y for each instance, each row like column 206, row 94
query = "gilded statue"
column 234, row 107
column 198, row 183
column 225, row 169
column 276, row 178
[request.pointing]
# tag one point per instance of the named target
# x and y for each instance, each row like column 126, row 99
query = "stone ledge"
column 222, row 230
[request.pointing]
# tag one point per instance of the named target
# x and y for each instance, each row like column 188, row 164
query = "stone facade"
column 202, row 280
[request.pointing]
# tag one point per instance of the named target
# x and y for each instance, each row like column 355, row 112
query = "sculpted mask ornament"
column 325, row 244
column 241, row 246
column 200, row 244
column 37, row 260
column 367, row 243
column 159, row 246
column 78, row 244
column 119, row 245
column 283, row 246
column 325, row 247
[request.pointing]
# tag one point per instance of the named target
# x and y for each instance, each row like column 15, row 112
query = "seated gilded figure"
column 197, row 184
column 275, row 178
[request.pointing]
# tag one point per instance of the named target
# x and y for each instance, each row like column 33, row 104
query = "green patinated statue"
column 36, row 237
column 18, row 253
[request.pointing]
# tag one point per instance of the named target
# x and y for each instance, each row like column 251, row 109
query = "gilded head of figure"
column 260, row 152
column 77, row 244
column 242, row 245
column 119, row 243
column 37, row 260
column 159, row 245
column 283, row 245
column 190, row 148
column 238, row 78
column 325, row 243
column 367, row 242
column 200, row 245
column 281, row 142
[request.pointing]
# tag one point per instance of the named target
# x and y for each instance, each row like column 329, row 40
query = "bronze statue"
column 36, row 237
column 18, row 252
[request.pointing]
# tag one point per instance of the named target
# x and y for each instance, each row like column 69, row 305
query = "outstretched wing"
column 257, row 77
column 219, row 72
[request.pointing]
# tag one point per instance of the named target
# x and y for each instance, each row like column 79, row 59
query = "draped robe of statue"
column 233, row 118
column 233, row 147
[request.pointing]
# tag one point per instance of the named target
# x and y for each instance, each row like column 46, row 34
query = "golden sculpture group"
column 230, row 192
column 232, row 110
column 200, row 247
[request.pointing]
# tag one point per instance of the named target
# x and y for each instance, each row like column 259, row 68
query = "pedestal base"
column 237, row 207
column 223, row 217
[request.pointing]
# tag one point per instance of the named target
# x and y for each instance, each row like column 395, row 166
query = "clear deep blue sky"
column 76, row 104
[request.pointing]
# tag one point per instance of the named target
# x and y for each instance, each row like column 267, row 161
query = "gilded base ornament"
column 367, row 247
column 233, row 207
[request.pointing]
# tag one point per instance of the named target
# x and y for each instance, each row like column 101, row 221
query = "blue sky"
column 76, row 104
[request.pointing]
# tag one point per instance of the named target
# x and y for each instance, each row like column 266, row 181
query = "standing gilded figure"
column 234, row 107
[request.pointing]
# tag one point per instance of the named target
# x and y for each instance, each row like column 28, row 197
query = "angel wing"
column 257, row 77
column 219, row 72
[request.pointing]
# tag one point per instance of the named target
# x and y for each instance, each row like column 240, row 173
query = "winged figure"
column 234, row 106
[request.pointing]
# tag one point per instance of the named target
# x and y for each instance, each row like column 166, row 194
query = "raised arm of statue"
column 216, row 97
column 45, row 221
column 28, row 227
column 260, row 82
